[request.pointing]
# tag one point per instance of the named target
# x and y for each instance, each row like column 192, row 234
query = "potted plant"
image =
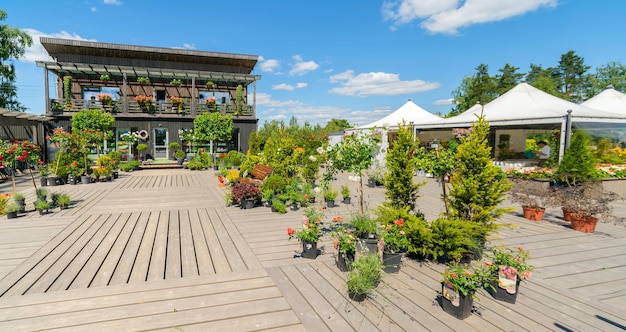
column 180, row 156
column 365, row 229
column 63, row 201
column 311, row 232
column 20, row 200
column 12, row 210
column 43, row 173
column 505, row 269
column 365, row 275
column 268, row 195
column 295, row 198
column 140, row 148
column 177, row 103
column 532, row 195
column 143, row 80
column 329, row 197
column 176, row 82
column 279, row 206
column 211, row 103
column 458, row 289
column 345, row 193
column 394, row 243
column 376, row 177
column 144, row 101
column 587, row 202
column 42, row 206
column 344, row 242
column 105, row 78
column 42, row 194
column 245, row 194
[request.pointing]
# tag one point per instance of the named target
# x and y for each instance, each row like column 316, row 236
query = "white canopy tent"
column 526, row 106
column 407, row 113
column 609, row 100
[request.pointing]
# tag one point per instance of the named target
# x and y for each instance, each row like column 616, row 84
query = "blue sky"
column 355, row 60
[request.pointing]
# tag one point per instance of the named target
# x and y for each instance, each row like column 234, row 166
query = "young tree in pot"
column 140, row 148
column 180, row 156
column 212, row 126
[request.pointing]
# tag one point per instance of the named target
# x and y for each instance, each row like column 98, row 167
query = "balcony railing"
column 158, row 107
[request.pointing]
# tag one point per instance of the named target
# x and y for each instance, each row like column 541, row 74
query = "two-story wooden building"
column 152, row 90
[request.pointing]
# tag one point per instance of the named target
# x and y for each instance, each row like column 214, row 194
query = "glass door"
column 159, row 142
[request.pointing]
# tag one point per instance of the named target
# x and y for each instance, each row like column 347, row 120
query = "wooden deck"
column 158, row 250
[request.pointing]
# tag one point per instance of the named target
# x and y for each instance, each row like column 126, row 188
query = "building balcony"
column 131, row 108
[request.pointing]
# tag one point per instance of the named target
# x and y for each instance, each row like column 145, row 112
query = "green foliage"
column 93, row 119
column 400, row 188
column 335, row 125
column 453, row 239
column 578, row 163
column 180, row 154
column 363, row 225
column 174, row 145
column 419, row 235
column 279, row 206
column 42, row 205
column 478, row 88
column 195, row 165
column 478, row 187
column 14, row 44
column 275, row 183
column 464, row 280
column 366, row 273
column 345, row 191
column 142, row 147
column 126, row 167
column 212, row 126
column 330, row 194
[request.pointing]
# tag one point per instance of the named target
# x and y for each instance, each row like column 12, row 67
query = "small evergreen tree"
column 578, row 164
column 401, row 189
column 477, row 185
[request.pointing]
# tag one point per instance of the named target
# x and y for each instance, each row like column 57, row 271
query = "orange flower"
column 291, row 231
column 337, row 218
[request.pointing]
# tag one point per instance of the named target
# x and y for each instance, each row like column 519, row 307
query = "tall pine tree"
column 402, row 191
column 477, row 185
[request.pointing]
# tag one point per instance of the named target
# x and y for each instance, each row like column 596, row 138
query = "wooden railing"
column 159, row 107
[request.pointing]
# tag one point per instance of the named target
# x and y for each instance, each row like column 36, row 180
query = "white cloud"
column 268, row 65
column 36, row 52
column 112, row 2
column 302, row 67
column 377, row 84
column 268, row 110
column 447, row 16
column 189, row 46
column 94, row 9
column 444, row 102
column 289, row 87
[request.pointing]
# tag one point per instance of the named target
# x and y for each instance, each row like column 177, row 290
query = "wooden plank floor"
column 158, row 250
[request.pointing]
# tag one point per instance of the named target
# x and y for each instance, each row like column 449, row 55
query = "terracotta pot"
column 567, row 214
column 533, row 213
column 585, row 224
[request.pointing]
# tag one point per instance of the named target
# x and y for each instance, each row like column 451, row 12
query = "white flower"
column 355, row 178
column 312, row 158
column 320, row 150
column 317, row 190
column 329, row 148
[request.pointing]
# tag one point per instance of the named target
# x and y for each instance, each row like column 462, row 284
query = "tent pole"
column 566, row 130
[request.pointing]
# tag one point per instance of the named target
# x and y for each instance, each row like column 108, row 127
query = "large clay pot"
column 533, row 213
column 585, row 224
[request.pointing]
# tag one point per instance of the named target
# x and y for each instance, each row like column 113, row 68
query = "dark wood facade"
column 85, row 71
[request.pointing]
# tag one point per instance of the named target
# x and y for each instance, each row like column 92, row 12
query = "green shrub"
column 578, row 163
column 279, row 206
column 453, row 239
column 180, row 154
column 363, row 225
column 126, row 167
column 274, row 182
column 195, row 165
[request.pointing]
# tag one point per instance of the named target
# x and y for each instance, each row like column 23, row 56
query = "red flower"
column 399, row 222
column 291, row 231
column 337, row 218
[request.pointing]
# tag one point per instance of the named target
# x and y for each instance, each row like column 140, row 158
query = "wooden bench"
column 259, row 173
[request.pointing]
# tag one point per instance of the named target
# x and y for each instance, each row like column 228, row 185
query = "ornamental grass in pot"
column 365, row 274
